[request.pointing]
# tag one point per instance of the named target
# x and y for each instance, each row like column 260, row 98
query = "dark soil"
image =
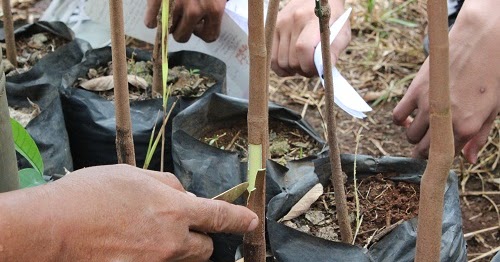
column 286, row 143
column 383, row 205
column 31, row 49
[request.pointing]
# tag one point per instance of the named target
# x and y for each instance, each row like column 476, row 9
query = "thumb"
column 473, row 146
column 215, row 216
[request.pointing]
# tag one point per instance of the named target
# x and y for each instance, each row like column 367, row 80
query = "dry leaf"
column 304, row 203
column 105, row 83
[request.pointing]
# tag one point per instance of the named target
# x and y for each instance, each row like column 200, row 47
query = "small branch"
column 8, row 26
column 479, row 193
column 323, row 12
column 124, row 139
column 484, row 230
column 487, row 254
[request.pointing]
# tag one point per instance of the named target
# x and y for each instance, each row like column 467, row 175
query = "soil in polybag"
column 207, row 170
column 90, row 115
column 398, row 244
column 33, row 42
column 36, row 93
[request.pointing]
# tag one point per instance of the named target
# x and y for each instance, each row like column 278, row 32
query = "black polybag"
column 207, row 171
column 288, row 244
column 90, row 119
column 40, row 84
column 57, row 28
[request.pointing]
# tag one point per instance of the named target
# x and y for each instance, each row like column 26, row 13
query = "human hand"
column 474, row 85
column 119, row 212
column 297, row 34
column 200, row 17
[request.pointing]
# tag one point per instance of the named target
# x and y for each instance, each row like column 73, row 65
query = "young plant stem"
column 8, row 26
column 157, row 78
column 441, row 152
column 258, row 137
column 272, row 15
column 337, row 178
column 9, row 179
column 166, row 17
column 124, row 139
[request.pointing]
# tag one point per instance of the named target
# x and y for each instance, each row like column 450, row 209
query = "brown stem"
column 8, row 26
column 9, row 179
column 157, row 78
column 255, row 242
column 337, row 175
column 441, row 151
column 124, row 139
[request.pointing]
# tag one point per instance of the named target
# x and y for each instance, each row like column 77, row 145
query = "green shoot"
column 194, row 71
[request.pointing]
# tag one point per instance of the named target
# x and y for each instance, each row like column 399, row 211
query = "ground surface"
column 382, row 59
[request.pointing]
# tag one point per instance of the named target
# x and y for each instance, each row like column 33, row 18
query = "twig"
column 387, row 230
column 479, row 193
column 233, row 140
column 487, row 254
column 8, row 25
column 323, row 12
column 484, row 230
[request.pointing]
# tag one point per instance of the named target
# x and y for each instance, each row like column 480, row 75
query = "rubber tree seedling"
column 124, row 139
column 441, row 152
column 323, row 12
column 8, row 25
column 254, row 242
column 9, row 179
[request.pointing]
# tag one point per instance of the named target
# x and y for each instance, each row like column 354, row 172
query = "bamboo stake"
column 441, row 151
column 8, row 26
column 124, row 139
column 9, row 179
column 254, row 242
column 337, row 178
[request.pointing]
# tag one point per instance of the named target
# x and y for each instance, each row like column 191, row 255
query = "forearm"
column 26, row 228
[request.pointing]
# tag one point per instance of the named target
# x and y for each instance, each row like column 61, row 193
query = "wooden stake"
column 441, row 151
column 124, row 139
column 9, row 179
column 8, row 26
column 323, row 12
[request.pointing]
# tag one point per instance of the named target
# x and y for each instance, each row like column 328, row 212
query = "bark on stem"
column 8, row 25
column 254, row 242
column 337, row 178
column 157, row 78
column 9, row 180
column 441, row 152
column 124, row 140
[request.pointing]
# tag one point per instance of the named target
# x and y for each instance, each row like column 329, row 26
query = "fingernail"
column 473, row 159
column 253, row 225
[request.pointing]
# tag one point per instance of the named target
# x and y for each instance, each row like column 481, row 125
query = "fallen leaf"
column 304, row 203
column 105, row 83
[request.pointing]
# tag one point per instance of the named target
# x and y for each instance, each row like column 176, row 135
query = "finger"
column 218, row 216
column 166, row 178
column 304, row 45
column 210, row 29
column 191, row 16
column 152, row 9
column 418, row 127
column 274, row 56
column 421, row 150
column 199, row 247
column 472, row 147
column 409, row 102
column 283, row 51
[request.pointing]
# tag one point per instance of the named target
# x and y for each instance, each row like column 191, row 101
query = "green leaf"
column 25, row 145
column 402, row 22
column 30, row 177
